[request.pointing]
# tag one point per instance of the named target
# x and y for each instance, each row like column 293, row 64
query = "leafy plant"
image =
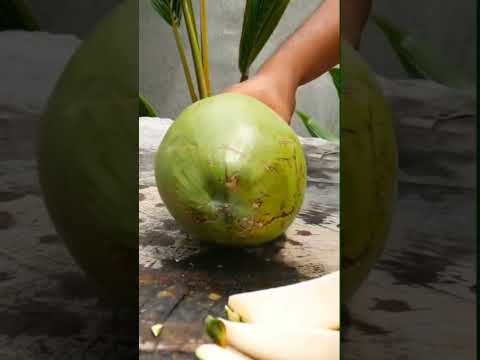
column 314, row 129
column 145, row 108
column 418, row 59
column 336, row 77
column 311, row 124
column 170, row 11
column 260, row 19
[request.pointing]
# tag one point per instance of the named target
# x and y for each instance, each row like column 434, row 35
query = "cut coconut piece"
column 274, row 342
column 310, row 304
column 215, row 352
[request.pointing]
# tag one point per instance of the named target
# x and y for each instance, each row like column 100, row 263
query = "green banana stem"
column 190, row 7
column 232, row 315
column 183, row 58
column 204, row 39
column 197, row 57
column 216, row 330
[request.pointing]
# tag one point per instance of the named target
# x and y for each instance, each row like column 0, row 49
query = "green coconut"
column 88, row 154
column 368, row 168
column 231, row 171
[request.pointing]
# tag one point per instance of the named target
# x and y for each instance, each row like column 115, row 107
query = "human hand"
column 310, row 51
column 277, row 92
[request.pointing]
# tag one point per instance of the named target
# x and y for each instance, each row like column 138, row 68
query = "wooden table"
column 182, row 281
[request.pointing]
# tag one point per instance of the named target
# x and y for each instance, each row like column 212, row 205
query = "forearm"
column 309, row 52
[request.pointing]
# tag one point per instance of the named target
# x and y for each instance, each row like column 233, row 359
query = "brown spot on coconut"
column 257, row 204
column 231, row 183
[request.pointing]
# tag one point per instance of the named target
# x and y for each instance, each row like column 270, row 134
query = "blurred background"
column 448, row 27
column 419, row 300
column 78, row 17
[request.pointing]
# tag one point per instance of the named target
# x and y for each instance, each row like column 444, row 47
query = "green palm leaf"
column 260, row 19
column 144, row 108
column 314, row 129
column 169, row 10
column 336, row 77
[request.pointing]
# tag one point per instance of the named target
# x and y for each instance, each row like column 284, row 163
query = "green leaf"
column 419, row 59
column 144, row 108
column 169, row 10
column 260, row 19
column 314, row 129
column 15, row 14
column 336, row 77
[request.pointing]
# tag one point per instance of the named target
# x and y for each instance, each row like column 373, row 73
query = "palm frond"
column 260, row 19
column 336, row 78
column 314, row 129
column 169, row 10
column 145, row 108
